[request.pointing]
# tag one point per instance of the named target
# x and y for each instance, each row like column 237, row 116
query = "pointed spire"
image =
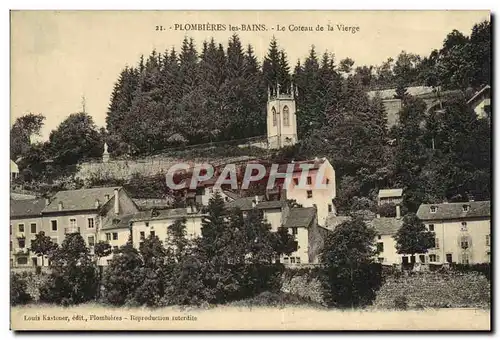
column 291, row 89
column 277, row 89
column 268, row 92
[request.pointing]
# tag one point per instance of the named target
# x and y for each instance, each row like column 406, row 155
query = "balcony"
column 71, row 230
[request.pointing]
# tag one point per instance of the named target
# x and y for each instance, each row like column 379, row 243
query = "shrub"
column 401, row 302
column 18, row 290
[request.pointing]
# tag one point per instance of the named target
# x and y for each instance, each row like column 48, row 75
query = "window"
column 380, row 247
column 436, row 243
column 108, row 262
column 91, row 241
column 115, row 236
column 464, row 243
column 33, row 228
column 379, row 237
column 464, row 226
column 380, row 259
column 431, row 227
column 11, row 229
column 21, row 227
column 296, row 245
column 327, row 181
column 449, row 258
column 286, row 116
column 488, row 240
column 286, row 260
column 465, row 207
column 294, row 230
column 53, row 224
column 422, row 258
column 146, row 224
column 292, row 259
column 108, row 236
column 90, row 223
column 296, row 181
column 330, row 208
column 309, row 180
column 297, row 259
column 22, row 243
column 72, row 222
column 465, row 258
column 432, row 258
column 433, row 209
column 309, row 194
column 22, row 260
column 10, row 245
column 143, row 236
column 274, row 116
column 152, row 233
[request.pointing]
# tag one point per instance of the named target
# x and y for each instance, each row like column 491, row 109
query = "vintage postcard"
column 250, row 170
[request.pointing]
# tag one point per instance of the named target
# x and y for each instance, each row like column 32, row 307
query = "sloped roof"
column 448, row 211
column 81, row 199
column 244, row 203
column 123, row 222
column 25, row 208
column 333, row 221
column 386, row 225
column 13, row 167
column 231, row 195
column 300, row 217
column 478, row 93
column 149, row 203
column 163, row 214
column 20, row 196
column 385, row 193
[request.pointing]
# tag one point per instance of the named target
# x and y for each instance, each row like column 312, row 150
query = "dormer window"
column 433, row 209
column 465, row 207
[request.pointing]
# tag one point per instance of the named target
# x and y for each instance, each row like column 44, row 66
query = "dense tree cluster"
column 233, row 259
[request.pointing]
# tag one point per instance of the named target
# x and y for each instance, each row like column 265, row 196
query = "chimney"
column 378, row 215
column 256, row 199
column 60, row 206
column 106, row 197
column 97, row 204
column 47, row 201
column 117, row 202
column 398, row 211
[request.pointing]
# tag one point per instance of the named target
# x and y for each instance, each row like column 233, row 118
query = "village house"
column 299, row 221
column 14, row 170
column 156, row 222
column 463, row 231
column 83, row 211
column 25, row 223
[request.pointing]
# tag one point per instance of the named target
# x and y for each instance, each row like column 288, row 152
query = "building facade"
column 463, row 231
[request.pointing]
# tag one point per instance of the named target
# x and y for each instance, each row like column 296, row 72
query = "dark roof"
column 386, row 193
column 246, row 203
column 448, row 211
column 231, row 195
column 162, row 214
column 121, row 222
column 81, row 199
column 25, row 208
column 386, row 225
column 300, row 217
column 149, row 203
column 333, row 221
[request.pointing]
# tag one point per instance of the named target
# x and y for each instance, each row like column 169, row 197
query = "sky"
column 57, row 57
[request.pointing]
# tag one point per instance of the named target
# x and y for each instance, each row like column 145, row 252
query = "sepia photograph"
column 250, row 170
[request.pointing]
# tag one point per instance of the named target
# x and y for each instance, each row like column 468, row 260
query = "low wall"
column 439, row 290
column 302, row 282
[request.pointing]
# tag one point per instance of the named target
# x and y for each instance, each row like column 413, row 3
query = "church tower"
column 281, row 117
